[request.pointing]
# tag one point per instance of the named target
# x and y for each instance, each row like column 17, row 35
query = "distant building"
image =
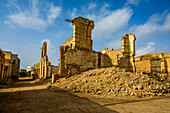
column 44, row 69
column 2, row 64
column 30, row 68
column 10, row 65
column 15, row 65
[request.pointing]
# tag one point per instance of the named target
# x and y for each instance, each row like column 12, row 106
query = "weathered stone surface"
column 124, row 57
column 107, row 82
column 10, row 67
column 2, row 64
column 76, row 55
column 153, row 62
column 44, row 69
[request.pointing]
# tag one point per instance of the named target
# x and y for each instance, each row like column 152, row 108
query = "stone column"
column 163, row 64
column 45, row 75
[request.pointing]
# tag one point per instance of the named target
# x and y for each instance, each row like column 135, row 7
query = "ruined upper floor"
column 82, row 30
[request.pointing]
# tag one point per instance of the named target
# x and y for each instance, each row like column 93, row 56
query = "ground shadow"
column 48, row 100
column 139, row 100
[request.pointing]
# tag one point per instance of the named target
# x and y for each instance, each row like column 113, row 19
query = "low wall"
column 77, row 60
column 168, row 64
column 143, row 66
column 153, row 62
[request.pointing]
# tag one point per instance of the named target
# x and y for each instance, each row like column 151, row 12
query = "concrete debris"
column 116, row 82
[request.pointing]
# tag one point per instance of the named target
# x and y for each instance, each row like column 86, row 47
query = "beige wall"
column 153, row 62
column 143, row 66
column 54, row 70
column 8, row 64
column 82, row 28
column 113, row 54
column 126, row 53
column 15, row 66
column 78, row 60
column 37, row 70
column 168, row 64
column 2, row 64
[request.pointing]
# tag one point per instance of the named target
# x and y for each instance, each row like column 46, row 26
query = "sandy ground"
column 28, row 96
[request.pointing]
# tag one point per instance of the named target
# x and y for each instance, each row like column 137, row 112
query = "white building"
column 30, row 68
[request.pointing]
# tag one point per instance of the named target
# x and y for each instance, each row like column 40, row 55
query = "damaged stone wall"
column 76, row 55
column 78, row 60
column 82, row 28
column 153, row 62
column 124, row 57
column 37, row 70
column 44, row 69
column 168, row 64
column 44, row 63
column 2, row 64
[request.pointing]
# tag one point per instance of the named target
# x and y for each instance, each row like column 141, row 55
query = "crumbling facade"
column 44, row 69
column 15, row 66
column 44, row 63
column 77, row 55
column 153, row 62
column 10, row 65
column 82, row 29
column 124, row 57
column 2, row 64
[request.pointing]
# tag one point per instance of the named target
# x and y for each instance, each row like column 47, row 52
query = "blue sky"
column 26, row 24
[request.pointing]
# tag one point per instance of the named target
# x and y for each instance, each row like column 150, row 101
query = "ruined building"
column 44, row 63
column 124, row 57
column 77, row 54
column 2, row 64
column 153, row 62
column 9, row 65
column 44, row 69
column 15, row 66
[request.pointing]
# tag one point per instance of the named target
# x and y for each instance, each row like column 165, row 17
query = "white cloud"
column 72, row 13
column 26, row 21
column 166, row 25
column 50, row 47
column 91, row 16
column 30, row 17
column 51, row 51
column 9, row 24
column 109, row 24
column 156, row 24
column 115, row 44
column 54, row 12
column 92, row 6
column 133, row 2
column 104, row 10
column 150, row 47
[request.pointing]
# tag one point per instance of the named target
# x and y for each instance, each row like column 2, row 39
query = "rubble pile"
column 116, row 82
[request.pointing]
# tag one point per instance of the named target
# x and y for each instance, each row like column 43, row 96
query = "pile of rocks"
column 116, row 82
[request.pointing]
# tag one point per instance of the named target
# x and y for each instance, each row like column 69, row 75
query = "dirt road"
column 27, row 96
column 33, row 96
